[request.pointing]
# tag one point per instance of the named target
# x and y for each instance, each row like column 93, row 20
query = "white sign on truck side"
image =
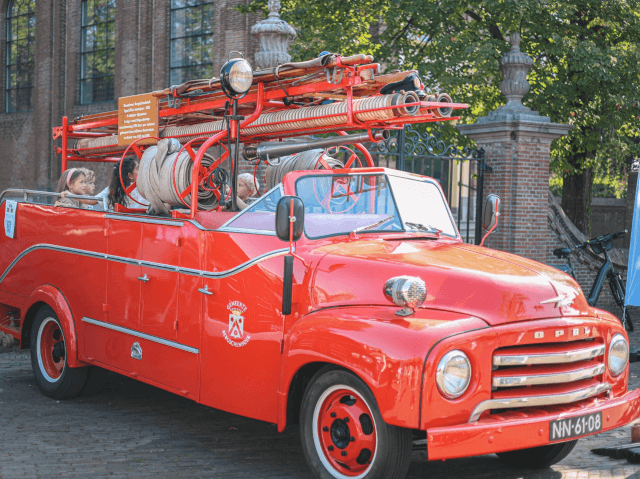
column 10, row 218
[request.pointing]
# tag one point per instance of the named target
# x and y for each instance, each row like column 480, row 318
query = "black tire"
column 537, row 457
column 336, row 389
column 54, row 377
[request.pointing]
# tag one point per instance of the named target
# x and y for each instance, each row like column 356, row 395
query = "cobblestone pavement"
column 120, row 428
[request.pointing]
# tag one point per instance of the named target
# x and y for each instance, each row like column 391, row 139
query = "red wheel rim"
column 344, row 432
column 51, row 350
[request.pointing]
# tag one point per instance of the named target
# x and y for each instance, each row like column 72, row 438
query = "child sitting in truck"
column 90, row 183
column 115, row 191
column 72, row 181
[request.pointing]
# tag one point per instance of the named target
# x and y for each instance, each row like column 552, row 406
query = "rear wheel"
column 343, row 434
column 53, row 375
column 537, row 457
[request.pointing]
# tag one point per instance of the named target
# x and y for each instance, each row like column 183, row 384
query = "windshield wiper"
column 354, row 233
column 427, row 228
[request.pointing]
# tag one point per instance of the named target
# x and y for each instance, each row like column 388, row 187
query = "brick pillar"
column 517, row 145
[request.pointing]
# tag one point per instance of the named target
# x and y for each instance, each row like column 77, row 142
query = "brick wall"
column 608, row 215
column 142, row 32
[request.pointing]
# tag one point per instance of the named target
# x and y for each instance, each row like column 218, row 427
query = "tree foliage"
column 585, row 52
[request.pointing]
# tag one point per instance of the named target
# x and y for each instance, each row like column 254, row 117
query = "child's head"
column 129, row 175
column 72, row 180
column 90, row 181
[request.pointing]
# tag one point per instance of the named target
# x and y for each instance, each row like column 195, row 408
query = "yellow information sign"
column 137, row 118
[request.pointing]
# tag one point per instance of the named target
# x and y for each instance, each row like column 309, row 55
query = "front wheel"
column 342, row 432
column 537, row 457
column 53, row 375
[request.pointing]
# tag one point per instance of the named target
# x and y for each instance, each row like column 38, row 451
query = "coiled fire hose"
column 286, row 120
column 156, row 177
column 307, row 160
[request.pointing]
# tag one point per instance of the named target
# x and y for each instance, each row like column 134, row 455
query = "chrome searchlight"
column 618, row 357
column 453, row 374
column 408, row 292
column 236, row 77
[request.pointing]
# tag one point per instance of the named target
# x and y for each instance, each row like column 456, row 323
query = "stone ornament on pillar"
column 514, row 66
column 517, row 143
column 274, row 35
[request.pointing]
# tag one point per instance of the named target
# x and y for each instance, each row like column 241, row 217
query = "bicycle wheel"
column 618, row 291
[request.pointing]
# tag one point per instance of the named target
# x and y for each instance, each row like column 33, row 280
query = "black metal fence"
column 460, row 172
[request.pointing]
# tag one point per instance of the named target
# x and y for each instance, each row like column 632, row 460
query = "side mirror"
column 289, row 218
column 490, row 215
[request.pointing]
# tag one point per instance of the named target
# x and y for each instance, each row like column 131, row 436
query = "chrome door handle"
column 205, row 290
column 144, row 278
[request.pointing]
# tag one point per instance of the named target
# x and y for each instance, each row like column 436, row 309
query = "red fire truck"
column 342, row 299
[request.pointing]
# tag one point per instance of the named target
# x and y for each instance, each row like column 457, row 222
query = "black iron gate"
column 460, row 172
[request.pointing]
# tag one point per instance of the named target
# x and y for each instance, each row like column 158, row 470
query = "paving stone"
column 121, row 428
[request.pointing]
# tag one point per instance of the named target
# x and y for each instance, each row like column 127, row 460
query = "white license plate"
column 575, row 426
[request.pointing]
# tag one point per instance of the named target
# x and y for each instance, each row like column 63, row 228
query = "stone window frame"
column 27, row 67
column 105, row 77
column 177, row 65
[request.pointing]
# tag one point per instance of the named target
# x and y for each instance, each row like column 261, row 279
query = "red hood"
column 495, row 286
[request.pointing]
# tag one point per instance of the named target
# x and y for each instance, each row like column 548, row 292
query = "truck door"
column 148, row 343
column 242, row 328
column 123, row 286
column 159, row 287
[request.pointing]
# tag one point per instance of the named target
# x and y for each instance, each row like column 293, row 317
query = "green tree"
column 585, row 74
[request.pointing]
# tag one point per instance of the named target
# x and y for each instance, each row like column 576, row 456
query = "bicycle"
column 600, row 245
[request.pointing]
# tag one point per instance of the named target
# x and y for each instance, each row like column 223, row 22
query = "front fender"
column 54, row 298
column 386, row 351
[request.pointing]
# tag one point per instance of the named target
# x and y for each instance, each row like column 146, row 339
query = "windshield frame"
column 230, row 229
column 386, row 173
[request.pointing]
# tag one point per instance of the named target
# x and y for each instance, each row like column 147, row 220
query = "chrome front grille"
column 558, row 376
column 545, row 374
column 558, row 353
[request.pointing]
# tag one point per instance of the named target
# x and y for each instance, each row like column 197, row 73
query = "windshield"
column 421, row 204
column 341, row 204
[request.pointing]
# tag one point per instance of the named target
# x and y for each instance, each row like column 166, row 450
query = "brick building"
column 77, row 57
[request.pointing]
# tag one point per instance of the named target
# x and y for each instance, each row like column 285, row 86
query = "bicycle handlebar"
column 602, row 239
column 618, row 234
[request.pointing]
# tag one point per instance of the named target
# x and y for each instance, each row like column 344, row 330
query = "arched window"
column 191, row 40
column 21, row 28
column 97, row 62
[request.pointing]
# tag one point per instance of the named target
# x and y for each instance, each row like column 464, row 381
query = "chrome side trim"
column 149, row 264
column 558, row 378
column 538, row 400
column 227, row 229
column 138, row 334
column 138, row 219
column 551, row 358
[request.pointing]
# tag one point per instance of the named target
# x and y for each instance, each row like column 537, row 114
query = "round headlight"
column 406, row 291
column 453, row 374
column 618, row 354
column 236, row 77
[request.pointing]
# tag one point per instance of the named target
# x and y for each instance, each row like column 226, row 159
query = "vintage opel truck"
column 342, row 299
